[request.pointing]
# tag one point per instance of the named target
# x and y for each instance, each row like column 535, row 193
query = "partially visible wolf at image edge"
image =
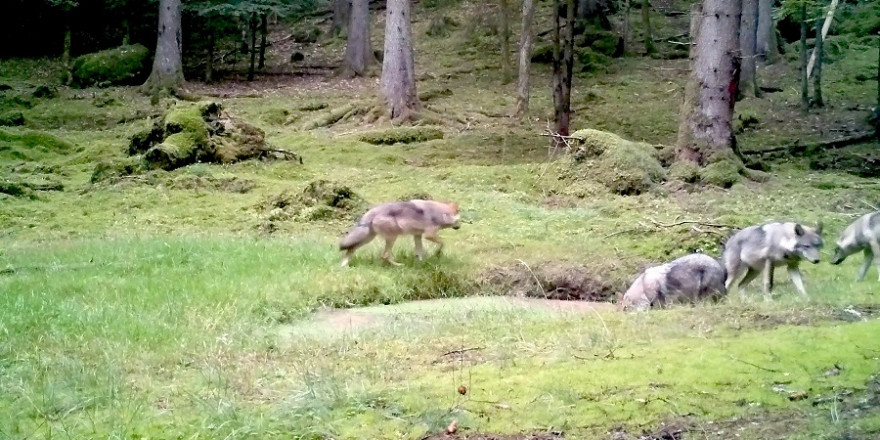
column 687, row 279
column 391, row 220
column 862, row 235
column 761, row 248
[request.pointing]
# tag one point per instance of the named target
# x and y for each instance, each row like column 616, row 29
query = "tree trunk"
column 625, row 38
column 805, row 79
column 767, row 48
column 398, row 66
column 705, row 134
column 525, row 59
column 126, row 32
column 264, row 34
column 829, row 18
column 209, row 64
column 342, row 10
column 359, row 53
column 167, row 73
column 65, row 54
column 817, row 69
column 563, row 67
column 253, row 46
column 748, row 33
column 646, row 22
column 505, row 41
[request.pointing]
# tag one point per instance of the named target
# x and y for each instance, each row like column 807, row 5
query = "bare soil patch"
column 478, row 436
column 552, row 280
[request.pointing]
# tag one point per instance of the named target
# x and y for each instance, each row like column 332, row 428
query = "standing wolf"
column 687, row 279
column 391, row 220
column 763, row 247
column 861, row 235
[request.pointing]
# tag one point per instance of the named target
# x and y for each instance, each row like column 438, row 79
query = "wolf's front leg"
column 420, row 251
column 432, row 236
column 875, row 251
column 795, row 274
column 768, row 278
column 866, row 265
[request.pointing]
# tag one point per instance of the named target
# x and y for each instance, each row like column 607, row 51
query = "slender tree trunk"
column 525, row 59
column 167, row 73
column 829, row 18
column 342, row 10
column 649, row 32
column 359, row 55
column 748, row 33
column 805, row 79
column 767, row 48
column 705, row 134
column 126, row 32
column 563, row 67
column 209, row 65
column 65, row 54
column 264, row 35
column 253, row 47
column 398, row 66
column 505, row 41
column 817, row 68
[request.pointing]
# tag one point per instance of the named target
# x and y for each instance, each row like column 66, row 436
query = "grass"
column 157, row 306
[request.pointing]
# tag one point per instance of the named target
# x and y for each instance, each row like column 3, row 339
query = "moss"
column 405, row 135
column 592, row 143
column 146, row 139
column 177, row 150
column 441, row 26
column 114, row 169
column 31, row 145
column 590, row 60
column 12, row 119
column 14, row 189
column 124, row 65
column 685, row 172
column 723, row 173
column 631, row 168
column 745, row 120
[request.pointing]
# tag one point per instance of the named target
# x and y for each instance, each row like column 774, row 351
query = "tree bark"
column 805, row 79
column 65, row 54
column 167, row 73
column 767, row 49
column 525, row 59
column 264, row 34
column 705, row 134
column 817, row 69
column 829, row 18
column 342, row 10
column 748, row 34
column 505, row 40
column 646, row 22
column 359, row 52
column 398, row 66
column 563, row 67
column 253, row 46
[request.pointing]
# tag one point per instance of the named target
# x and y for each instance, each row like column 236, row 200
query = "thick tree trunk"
column 748, row 33
column 253, row 47
column 563, row 67
column 505, row 41
column 705, row 134
column 398, row 66
column 264, row 35
column 817, row 68
column 167, row 73
column 805, row 79
column 359, row 53
column 525, row 59
column 646, row 22
column 766, row 48
column 342, row 10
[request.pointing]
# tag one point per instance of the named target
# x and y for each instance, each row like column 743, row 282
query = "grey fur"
column 761, row 248
column 690, row 278
column 861, row 235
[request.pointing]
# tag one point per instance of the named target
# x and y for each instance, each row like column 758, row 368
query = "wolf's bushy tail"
column 355, row 236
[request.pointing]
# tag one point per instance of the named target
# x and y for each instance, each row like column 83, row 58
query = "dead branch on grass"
column 770, row 370
column 691, row 222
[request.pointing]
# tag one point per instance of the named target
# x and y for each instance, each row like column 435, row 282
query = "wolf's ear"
column 798, row 229
column 819, row 228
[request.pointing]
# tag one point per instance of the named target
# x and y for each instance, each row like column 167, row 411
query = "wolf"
column 687, row 279
column 763, row 247
column 862, row 235
column 391, row 220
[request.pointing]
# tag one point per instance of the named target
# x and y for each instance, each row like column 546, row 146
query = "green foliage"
column 31, row 145
column 403, row 135
column 121, row 65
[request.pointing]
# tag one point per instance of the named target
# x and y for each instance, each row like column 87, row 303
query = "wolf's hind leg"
column 751, row 274
column 386, row 254
column 866, row 265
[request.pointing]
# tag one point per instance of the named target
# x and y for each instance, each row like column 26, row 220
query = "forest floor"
column 205, row 302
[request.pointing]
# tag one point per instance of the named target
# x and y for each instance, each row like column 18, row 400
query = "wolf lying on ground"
column 861, row 235
column 687, row 279
column 391, row 220
column 763, row 247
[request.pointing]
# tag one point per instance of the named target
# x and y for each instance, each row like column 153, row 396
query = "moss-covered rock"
column 112, row 170
column 404, row 135
column 124, row 65
column 590, row 60
column 592, row 143
column 631, row 168
column 723, row 173
column 146, row 139
column 684, row 172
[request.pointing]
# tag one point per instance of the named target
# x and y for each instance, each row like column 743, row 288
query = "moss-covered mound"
column 123, row 65
column 201, row 132
column 624, row 167
column 403, row 135
column 319, row 200
column 31, row 145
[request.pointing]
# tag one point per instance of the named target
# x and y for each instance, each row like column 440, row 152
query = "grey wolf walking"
column 761, row 248
column 861, row 235
column 391, row 220
column 687, row 279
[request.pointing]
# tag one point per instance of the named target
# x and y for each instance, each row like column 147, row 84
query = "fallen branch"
column 691, row 222
column 463, row 350
column 797, row 148
column 754, row 365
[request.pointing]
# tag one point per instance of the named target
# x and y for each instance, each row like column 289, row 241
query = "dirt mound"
column 552, row 281
column 319, row 200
